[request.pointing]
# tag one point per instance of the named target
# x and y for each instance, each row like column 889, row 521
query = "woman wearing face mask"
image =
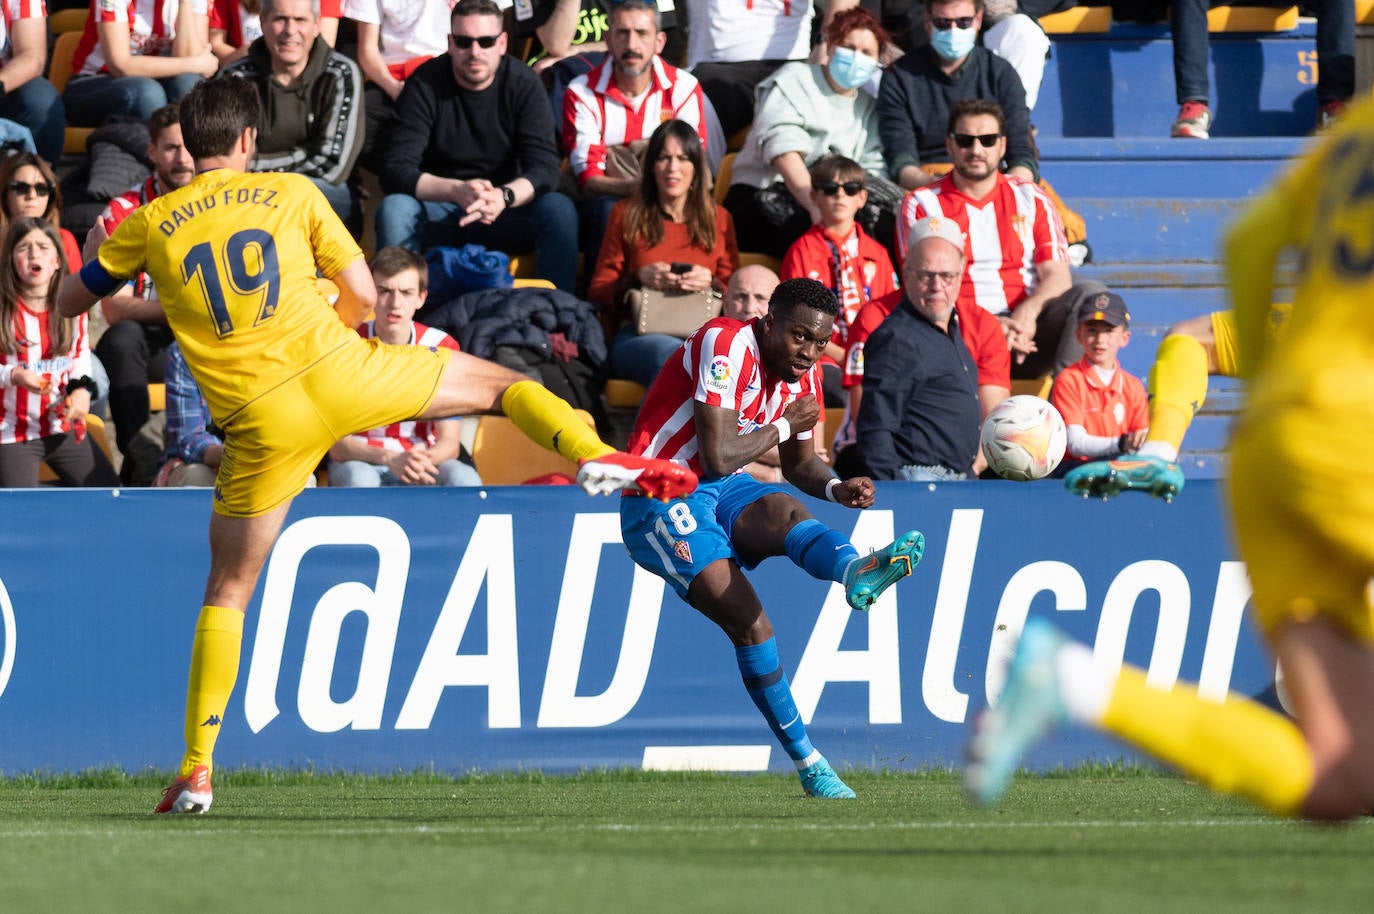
column 808, row 111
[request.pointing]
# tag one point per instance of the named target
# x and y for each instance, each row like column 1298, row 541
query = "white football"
column 1024, row 438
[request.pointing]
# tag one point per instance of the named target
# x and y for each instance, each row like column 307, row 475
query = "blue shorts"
column 676, row 540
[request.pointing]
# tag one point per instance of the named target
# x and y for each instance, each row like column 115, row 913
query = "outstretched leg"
column 1321, row 767
column 471, row 385
column 722, row 594
column 778, row 525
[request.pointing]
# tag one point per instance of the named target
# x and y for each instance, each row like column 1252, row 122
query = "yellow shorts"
column 275, row 442
column 1224, row 336
column 1304, row 519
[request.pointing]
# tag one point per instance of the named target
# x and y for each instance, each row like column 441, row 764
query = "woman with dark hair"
column 671, row 237
column 808, row 111
column 28, row 188
column 45, row 367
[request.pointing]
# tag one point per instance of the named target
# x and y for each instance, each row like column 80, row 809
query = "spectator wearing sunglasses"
column 807, row 111
column 840, row 255
column 1017, row 259
column 918, row 91
column 30, row 188
column 470, row 156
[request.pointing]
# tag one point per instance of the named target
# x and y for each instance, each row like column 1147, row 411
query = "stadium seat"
column 71, row 20
column 722, row 185
column 532, row 282
column 1364, row 12
column 59, row 72
column 522, row 265
column 505, row 457
column 157, row 398
column 95, row 427
column 1079, row 20
column 624, row 394
column 1036, row 387
column 754, row 258
column 735, row 142
column 1251, row 19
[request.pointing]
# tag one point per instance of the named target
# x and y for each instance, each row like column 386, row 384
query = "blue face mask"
column 850, row 69
column 953, row 44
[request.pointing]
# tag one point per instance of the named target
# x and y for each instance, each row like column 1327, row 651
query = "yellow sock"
column 1239, row 747
column 214, row 667
column 549, row 421
column 1178, row 388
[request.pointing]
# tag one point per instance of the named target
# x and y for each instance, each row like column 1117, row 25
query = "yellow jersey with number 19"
column 233, row 256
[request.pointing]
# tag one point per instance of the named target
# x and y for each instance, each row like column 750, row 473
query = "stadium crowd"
column 586, row 141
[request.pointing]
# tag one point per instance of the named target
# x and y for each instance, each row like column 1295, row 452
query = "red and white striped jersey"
column 596, row 115
column 1006, row 234
column 402, row 436
column 863, row 267
column 14, row 10
column 718, row 365
column 152, row 26
column 25, row 415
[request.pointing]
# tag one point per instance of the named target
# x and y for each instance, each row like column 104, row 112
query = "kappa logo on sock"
column 211, row 721
column 556, row 435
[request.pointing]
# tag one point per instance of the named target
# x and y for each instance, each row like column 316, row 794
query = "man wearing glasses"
column 470, row 157
column 920, row 413
column 1018, row 258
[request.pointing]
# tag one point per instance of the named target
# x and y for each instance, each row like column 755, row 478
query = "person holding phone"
column 669, row 236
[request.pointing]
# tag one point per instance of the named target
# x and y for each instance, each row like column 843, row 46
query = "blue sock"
column 767, row 686
column 819, row 551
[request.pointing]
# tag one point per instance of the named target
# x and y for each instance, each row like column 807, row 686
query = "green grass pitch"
column 1099, row 840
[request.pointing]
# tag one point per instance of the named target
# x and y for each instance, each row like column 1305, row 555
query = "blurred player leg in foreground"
column 1305, row 532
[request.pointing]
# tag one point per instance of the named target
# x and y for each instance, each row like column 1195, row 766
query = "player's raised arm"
column 357, row 293
column 723, row 449
column 76, row 297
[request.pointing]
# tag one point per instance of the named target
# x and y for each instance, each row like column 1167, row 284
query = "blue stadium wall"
column 508, row 629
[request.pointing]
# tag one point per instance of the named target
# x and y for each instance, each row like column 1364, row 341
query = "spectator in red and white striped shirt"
column 618, row 104
column 45, row 366
column 136, row 56
column 1016, row 252
column 25, row 96
column 414, row 452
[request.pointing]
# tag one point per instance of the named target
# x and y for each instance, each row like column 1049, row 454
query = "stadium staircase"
column 1156, row 207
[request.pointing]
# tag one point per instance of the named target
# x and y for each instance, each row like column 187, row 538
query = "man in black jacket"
column 312, row 104
column 470, row 155
column 917, row 92
column 920, row 413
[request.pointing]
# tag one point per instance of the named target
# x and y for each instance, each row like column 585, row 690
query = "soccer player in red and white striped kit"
column 735, row 390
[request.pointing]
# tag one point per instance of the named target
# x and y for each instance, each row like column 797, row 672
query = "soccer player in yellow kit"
column 234, row 256
column 1304, row 523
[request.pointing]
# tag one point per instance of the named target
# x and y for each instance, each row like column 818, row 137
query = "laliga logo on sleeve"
column 7, row 637
column 718, row 375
